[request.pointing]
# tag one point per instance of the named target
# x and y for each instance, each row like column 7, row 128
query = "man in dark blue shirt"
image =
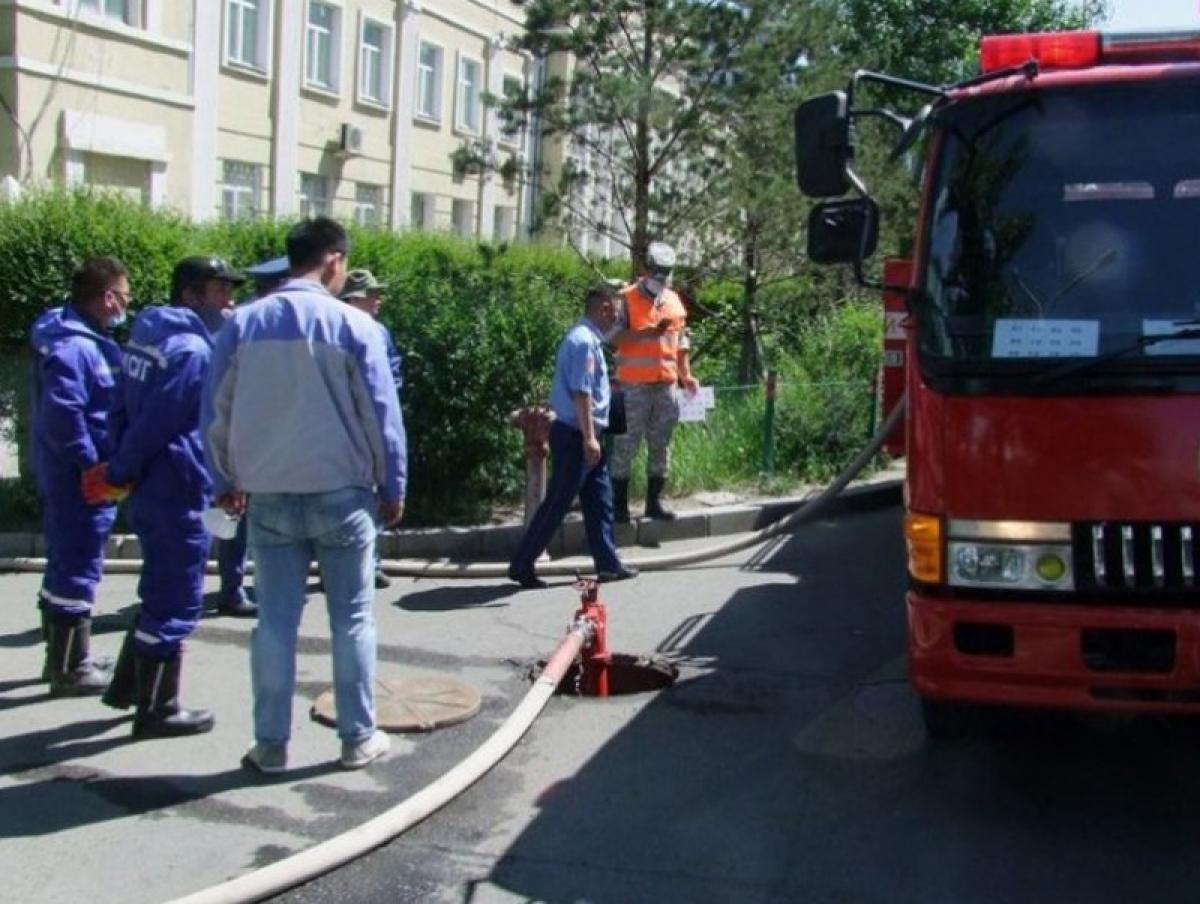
column 580, row 398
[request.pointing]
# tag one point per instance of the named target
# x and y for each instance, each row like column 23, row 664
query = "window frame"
column 262, row 66
column 257, row 169
column 133, row 16
column 460, row 126
column 515, row 139
column 335, row 33
column 377, row 206
column 387, row 56
column 303, row 199
column 439, row 79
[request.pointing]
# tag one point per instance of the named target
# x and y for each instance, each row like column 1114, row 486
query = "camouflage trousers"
column 651, row 411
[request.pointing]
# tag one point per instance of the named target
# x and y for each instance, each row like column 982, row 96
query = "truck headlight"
column 1009, row 554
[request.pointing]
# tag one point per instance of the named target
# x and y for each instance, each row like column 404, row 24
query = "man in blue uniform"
column 363, row 291
column 231, row 554
column 161, row 453
column 76, row 392
column 580, row 399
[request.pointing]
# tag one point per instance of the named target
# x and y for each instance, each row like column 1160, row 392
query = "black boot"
column 73, row 673
column 122, row 690
column 159, row 714
column 654, row 506
column 45, row 640
column 621, row 501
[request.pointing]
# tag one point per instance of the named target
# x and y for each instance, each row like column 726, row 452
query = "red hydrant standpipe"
column 595, row 657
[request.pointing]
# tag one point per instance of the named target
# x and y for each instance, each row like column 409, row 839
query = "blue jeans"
column 571, row 477
column 286, row 531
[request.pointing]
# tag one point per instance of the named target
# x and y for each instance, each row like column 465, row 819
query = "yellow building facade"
column 231, row 108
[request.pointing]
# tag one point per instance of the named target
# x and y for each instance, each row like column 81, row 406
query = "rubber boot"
column 73, row 673
column 654, row 506
column 621, row 501
column 45, row 640
column 159, row 714
column 122, row 690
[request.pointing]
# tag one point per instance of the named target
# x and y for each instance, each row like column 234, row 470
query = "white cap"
column 660, row 256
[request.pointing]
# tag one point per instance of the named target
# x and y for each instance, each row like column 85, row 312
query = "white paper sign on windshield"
column 1015, row 338
column 1170, row 346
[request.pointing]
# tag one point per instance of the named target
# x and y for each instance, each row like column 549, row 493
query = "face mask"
column 656, row 282
column 115, row 321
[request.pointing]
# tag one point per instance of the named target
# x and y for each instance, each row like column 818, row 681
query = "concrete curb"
column 497, row 542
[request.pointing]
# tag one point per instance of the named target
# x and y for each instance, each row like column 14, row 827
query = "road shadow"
column 795, row 769
column 447, row 599
column 104, row 623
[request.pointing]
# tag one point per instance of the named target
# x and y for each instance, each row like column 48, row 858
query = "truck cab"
column 1051, row 368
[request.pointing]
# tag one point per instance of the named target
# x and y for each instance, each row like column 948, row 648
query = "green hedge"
column 478, row 325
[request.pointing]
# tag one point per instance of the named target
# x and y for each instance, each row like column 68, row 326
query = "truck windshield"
column 1065, row 224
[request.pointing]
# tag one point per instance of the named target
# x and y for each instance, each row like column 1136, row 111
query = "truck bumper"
column 1055, row 656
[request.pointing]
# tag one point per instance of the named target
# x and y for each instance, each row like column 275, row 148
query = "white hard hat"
column 660, row 256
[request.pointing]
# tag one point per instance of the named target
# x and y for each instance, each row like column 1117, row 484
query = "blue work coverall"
column 160, row 451
column 76, row 403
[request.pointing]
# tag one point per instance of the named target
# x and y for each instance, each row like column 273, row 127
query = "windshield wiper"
column 1058, row 373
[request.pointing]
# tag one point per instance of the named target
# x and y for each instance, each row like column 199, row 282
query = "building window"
column 368, row 204
column 246, row 33
column 462, row 218
column 502, row 225
column 420, row 214
column 429, row 81
column 322, row 45
column 241, row 184
column 468, row 110
column 511, row 130
column 124, row 11
column 314, row 195
column 375, row 62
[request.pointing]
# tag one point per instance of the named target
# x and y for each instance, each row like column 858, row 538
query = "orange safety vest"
column 652, row 358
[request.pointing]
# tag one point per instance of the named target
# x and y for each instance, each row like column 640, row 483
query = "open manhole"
column 411, row 703
column 628, row 673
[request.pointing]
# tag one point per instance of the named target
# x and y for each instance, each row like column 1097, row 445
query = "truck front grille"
column 1137, row 556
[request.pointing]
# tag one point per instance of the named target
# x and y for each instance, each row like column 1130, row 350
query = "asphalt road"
column 788, row 764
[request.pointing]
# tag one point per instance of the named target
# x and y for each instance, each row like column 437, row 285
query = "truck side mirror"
column 823, row 147
column 842, row 232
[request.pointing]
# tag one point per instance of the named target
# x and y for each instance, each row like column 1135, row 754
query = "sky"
column 1125, row 14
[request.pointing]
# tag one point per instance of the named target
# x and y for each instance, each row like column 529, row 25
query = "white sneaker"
column 357, row 755
column 270, row 759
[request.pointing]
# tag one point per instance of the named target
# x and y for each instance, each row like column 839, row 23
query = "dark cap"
column 275, row 268
column 193, row 270
column 360, row 284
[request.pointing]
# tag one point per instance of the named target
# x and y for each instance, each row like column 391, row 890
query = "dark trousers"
column 231, row 559
column 174, row 551
column 569, row 478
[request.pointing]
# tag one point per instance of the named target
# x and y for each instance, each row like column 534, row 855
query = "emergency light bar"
column 1079, row 49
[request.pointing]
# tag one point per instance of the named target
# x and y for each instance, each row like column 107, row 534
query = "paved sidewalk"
column 88, row 814
column 496, row 542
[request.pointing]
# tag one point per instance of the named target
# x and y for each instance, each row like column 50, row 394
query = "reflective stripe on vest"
column 650, row 359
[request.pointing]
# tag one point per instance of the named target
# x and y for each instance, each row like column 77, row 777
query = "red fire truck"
column 1048, row 327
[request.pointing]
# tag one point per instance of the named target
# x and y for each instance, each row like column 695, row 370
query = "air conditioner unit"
column 352, row 139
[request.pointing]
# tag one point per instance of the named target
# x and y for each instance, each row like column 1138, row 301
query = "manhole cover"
column 411, row 703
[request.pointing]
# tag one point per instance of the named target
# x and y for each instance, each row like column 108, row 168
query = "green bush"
column 477, row 325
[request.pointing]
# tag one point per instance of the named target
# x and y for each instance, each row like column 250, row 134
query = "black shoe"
column 382, row 581
column 159, row 714
column 626, row 572
column 122, row 690
column 529, row 581
column 654, row 506
column 236, row 603
column 73, row 673
column 621, row 501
